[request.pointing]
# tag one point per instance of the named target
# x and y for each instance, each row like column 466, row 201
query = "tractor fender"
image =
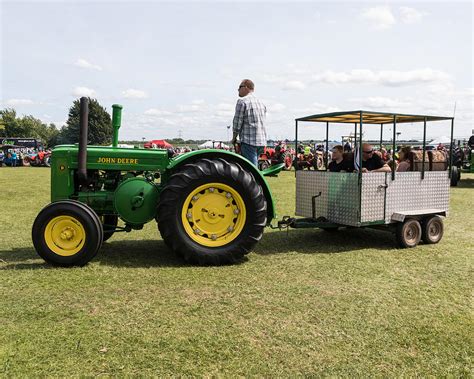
column 192, row 156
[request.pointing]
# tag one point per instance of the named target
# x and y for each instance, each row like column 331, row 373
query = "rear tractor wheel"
column 408, row 233
column 212, row 212
column 67, row 233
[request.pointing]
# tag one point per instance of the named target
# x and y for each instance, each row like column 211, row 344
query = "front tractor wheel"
column 67, row 233
column 212, row 212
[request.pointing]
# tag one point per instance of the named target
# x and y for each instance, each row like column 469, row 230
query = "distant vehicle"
column 31, row 143
column 158, row 144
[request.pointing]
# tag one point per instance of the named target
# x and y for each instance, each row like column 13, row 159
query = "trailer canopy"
column 370, row 117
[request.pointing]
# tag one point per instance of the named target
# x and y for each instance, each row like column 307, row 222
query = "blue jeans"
column 250, row 152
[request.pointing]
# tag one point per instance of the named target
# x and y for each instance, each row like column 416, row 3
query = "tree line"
column 100, row 126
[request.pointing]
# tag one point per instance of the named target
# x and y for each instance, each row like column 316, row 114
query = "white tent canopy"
column 213, row 145
column 443, row 140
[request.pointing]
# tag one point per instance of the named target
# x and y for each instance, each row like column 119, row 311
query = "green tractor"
column 211, row 206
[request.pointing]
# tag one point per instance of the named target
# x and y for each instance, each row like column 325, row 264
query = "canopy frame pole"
column 394, row 145
column 359, row 216
column 451, row 148
column 327, row 143
column 424, row 150
column 381, row 135
column 360, row 142
column 296, row 146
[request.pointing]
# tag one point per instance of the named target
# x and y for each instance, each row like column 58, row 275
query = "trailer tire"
column 212, row 212
column 432, row 230
column 408, row 233
column 67, row 233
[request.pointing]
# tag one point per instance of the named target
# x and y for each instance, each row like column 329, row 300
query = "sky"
column 176, row 66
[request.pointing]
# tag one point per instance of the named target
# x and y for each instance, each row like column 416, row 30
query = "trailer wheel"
column 109, row 223
column 67, row 233
column 432, row 230
column 25, row 161
column 408, row 233
column 212, row 212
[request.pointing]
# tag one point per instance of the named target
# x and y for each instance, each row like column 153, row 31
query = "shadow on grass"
column 466, row 183
column 145, row 253
column 317, row 241
column 154, row 253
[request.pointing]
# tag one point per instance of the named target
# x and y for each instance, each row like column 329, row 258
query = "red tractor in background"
column 281, row 153
column 310, row 158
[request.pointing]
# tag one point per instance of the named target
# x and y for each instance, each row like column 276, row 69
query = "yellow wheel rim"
column 213, row 214
column 64, row 235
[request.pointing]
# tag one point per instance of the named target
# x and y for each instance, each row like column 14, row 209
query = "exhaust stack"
column 116, row 122
column 83, row 134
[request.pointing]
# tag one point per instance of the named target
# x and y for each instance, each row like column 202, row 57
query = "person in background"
column 249, row 122
column 338, row 163
column 347, row 147
column 405, row 162
column 14, row 158
column 372, row 162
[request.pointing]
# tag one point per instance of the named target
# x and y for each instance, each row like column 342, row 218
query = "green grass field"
column 306, row 303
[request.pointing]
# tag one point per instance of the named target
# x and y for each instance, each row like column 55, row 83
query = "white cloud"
column 157, row 112
column 410, row 15
column 198, row 102
column 380, row 17
column 276, row 108
column 83, row 91
column 293, row 85
column 380, row 102
column 18, row 102
column 81, row 62
column 225, row 107
column 134, row 94
column 383, row 77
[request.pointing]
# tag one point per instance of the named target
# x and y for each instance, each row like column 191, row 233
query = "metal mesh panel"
column 408, row 192
column 339, row 199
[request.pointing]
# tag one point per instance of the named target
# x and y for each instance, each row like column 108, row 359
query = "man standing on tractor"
column 249, row 122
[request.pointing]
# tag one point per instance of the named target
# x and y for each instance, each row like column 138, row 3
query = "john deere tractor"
column 211, row 206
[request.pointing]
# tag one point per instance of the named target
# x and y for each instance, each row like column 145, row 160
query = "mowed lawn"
column 305, row 303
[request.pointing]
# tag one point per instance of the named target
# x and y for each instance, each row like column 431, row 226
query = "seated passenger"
column 405, row 162
column 338, row 163
column 372, row 162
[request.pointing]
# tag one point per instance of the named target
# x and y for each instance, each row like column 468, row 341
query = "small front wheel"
column 432, row 230
column 408, row 233
column 67, row 233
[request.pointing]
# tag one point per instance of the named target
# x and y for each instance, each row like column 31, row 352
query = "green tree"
column 9, row 122
column 100, row 125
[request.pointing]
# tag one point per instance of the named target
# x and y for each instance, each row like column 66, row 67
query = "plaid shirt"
column 249, row 121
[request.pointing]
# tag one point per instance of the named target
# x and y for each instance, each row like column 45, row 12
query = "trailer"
column 411, row 204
